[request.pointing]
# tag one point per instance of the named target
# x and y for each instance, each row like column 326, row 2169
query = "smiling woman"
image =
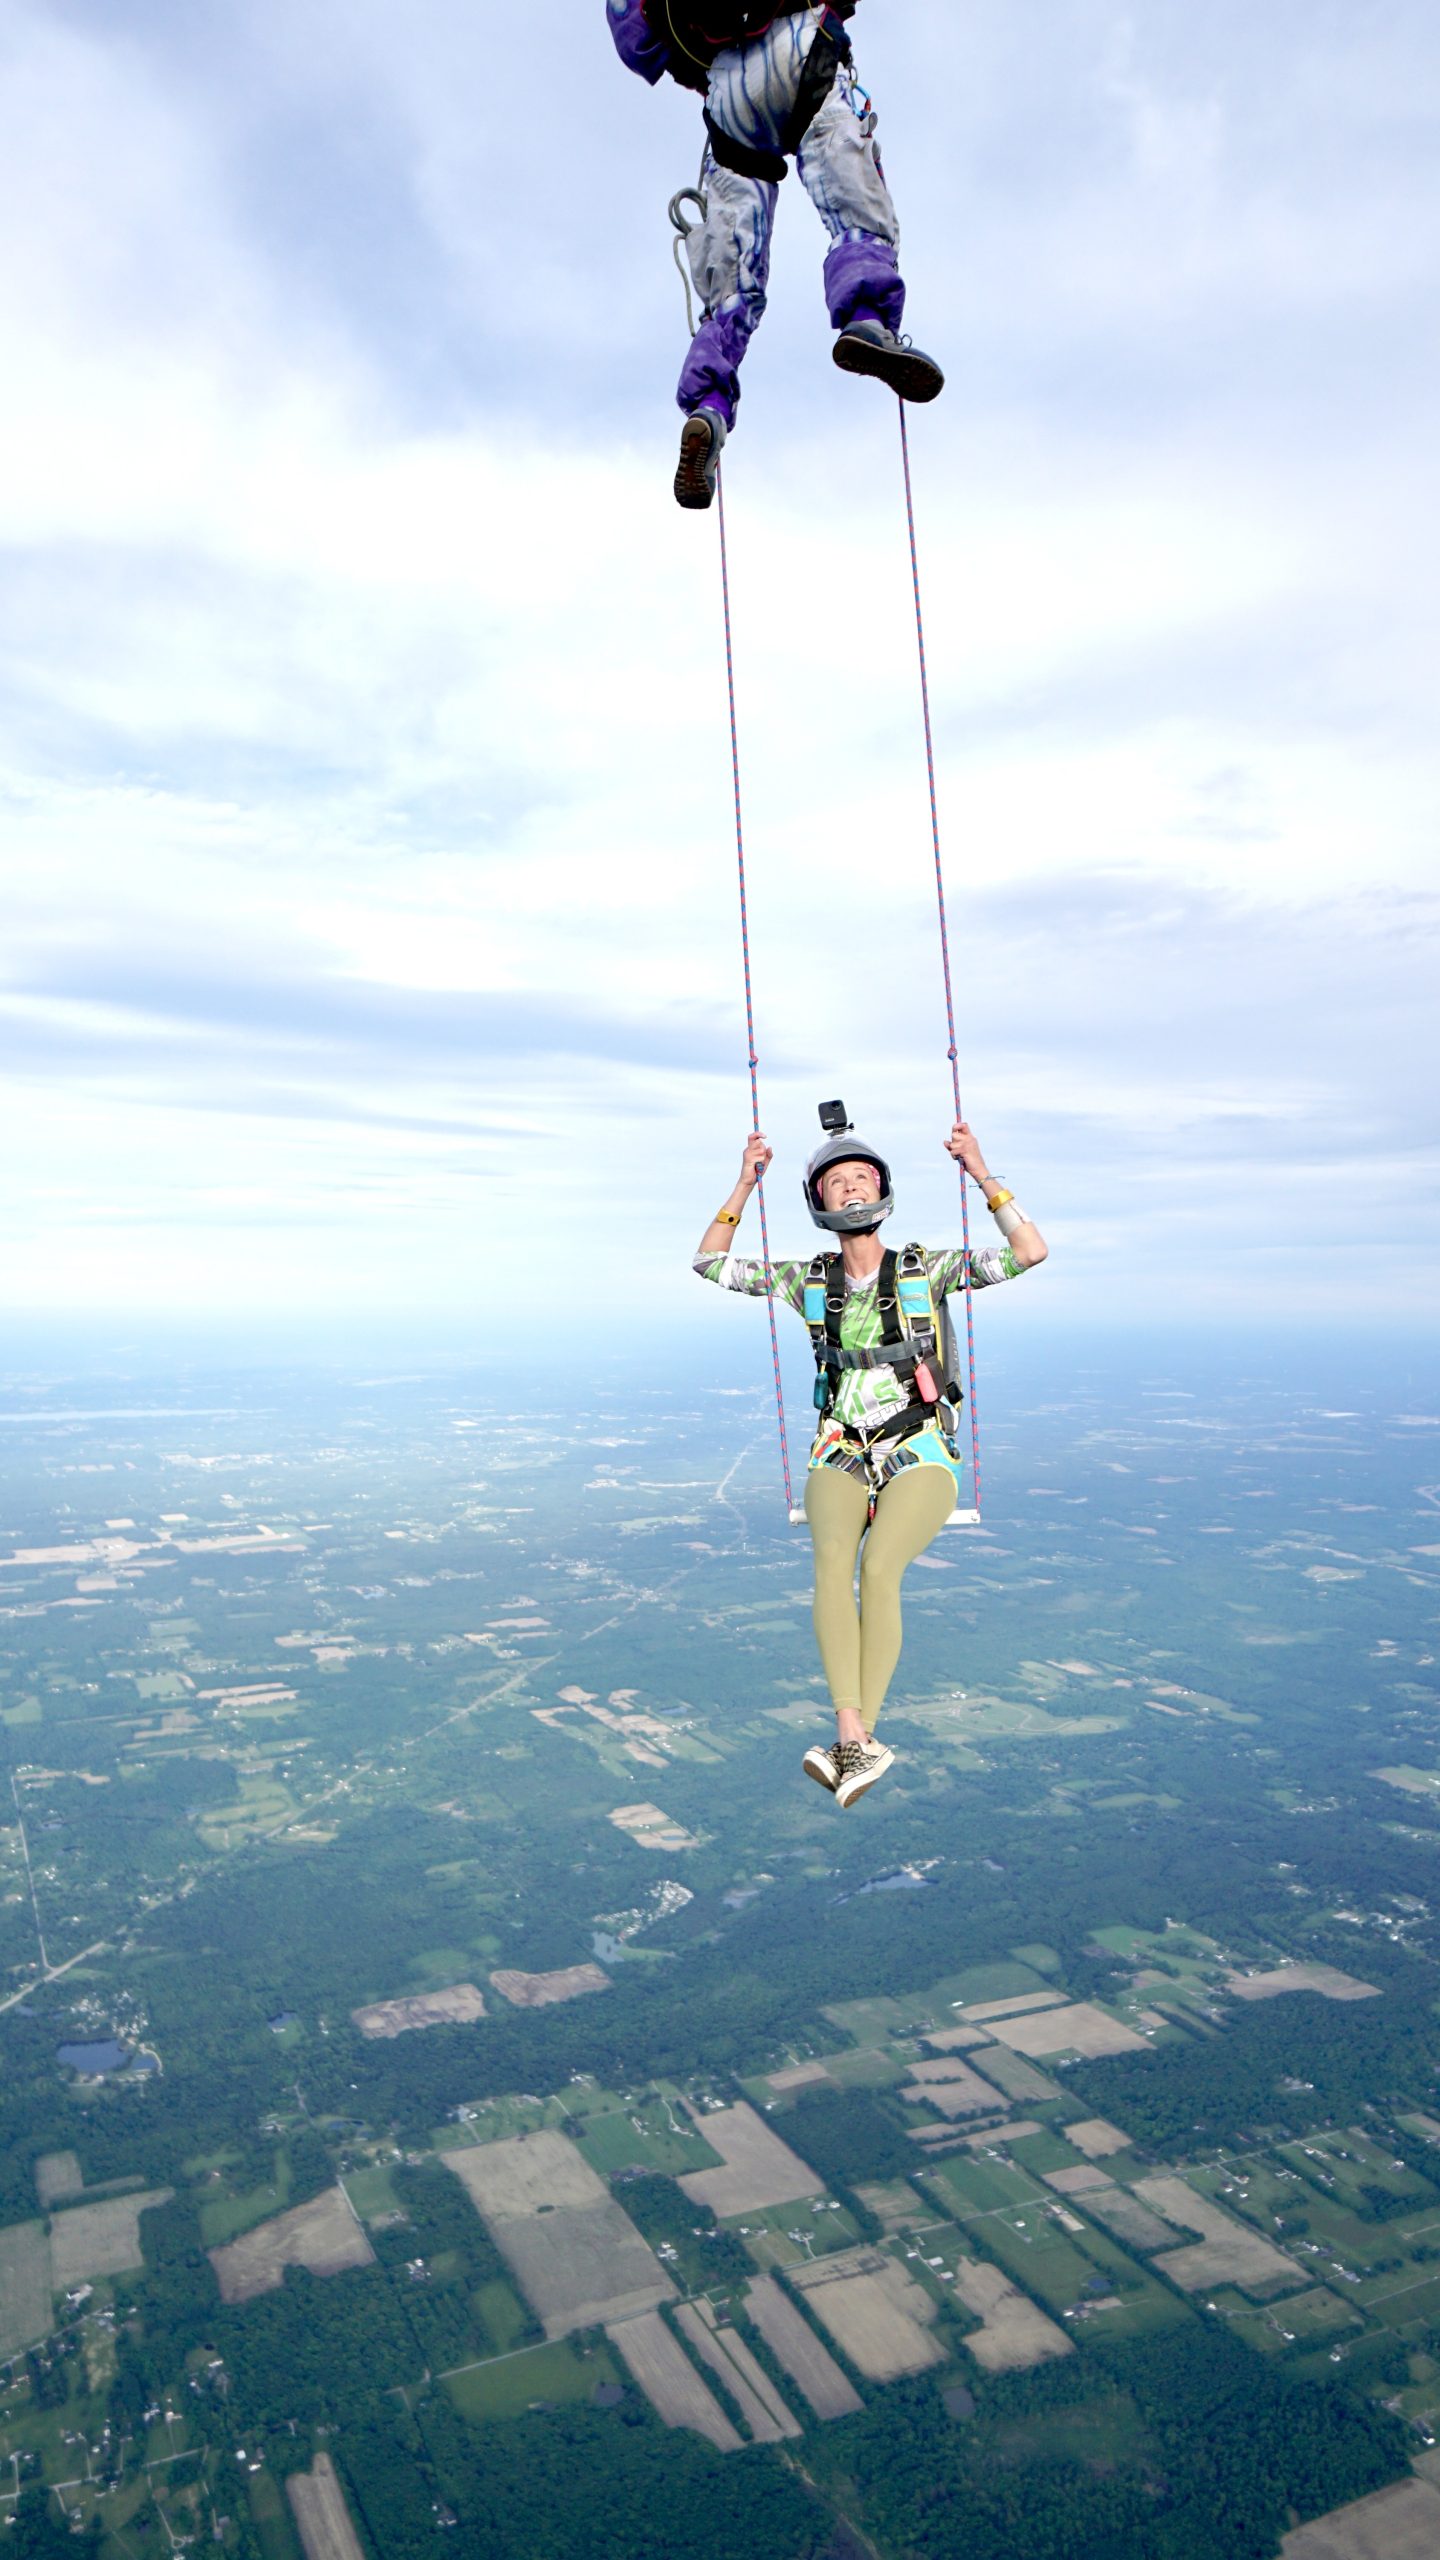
column 884, row 1469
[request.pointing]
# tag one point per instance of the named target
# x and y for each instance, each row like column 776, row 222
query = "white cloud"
column 353, row 653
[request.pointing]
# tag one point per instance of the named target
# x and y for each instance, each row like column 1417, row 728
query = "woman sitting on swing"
column 884, row 1468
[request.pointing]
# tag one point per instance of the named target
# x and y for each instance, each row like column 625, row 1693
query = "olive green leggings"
column 860, row 1647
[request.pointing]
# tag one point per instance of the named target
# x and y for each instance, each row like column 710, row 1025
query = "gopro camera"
column 834, row 1117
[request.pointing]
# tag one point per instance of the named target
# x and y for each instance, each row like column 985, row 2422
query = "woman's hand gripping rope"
column 1020, row 1233
column 719, row 1236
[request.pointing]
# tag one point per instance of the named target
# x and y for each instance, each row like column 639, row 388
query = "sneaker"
column 701, row 438
column 822, row 1763
column 867, row 346
column 859, row 1765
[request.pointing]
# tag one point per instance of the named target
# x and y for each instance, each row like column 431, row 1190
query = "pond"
column 94, row 2060
column 898, row 1880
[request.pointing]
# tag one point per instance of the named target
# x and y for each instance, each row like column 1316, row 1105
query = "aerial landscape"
column 550, row 2009
column 447, row 2044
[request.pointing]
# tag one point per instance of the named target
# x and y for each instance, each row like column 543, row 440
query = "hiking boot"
column 867, row 346
column 822, row 1763
column 701, row 438
column 859, row 1765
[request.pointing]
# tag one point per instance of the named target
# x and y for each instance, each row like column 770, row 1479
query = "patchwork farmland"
column 575, row 2254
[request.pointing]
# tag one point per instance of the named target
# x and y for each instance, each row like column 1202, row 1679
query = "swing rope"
column 749, row 990
column 953, row 1051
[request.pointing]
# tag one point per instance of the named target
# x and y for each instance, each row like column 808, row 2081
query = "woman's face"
column 849, row 1186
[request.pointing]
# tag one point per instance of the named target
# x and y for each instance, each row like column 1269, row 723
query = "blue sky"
column 370, row 899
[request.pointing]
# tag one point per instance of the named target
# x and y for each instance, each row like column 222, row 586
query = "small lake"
column 95, row 2060
column 899, row 1880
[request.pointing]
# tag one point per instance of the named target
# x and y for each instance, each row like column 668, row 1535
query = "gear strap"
column 817, row 78
column 912, row 1333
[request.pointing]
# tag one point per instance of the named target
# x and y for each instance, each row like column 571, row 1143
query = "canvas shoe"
column 867, row 346
column 701, row 438
column 860, row 1764
column 822, row 1763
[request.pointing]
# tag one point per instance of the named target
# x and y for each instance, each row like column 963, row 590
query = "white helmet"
column 841, row 1146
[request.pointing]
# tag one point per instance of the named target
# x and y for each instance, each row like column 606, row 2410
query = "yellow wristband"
column 998, row 1201
column 727, row 1217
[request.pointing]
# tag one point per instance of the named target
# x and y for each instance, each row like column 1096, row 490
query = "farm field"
column 576, row 2255
column 647, row 2133
column 90, row 2240
column 323, row 2518
column 25, row 2287
column 1402, row 2523
column 1013, row 2334
column 1076, row 2027
column 793, row 2343
column 874, row 2311
column 557, row 2374
column 1228, row 2252
column 767, row 2419
column 759, row 2169
column 322, row 2235
column 669, row 2381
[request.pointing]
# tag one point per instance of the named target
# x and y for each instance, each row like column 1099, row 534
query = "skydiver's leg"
column 837, row 1506
column 729, row 255
column 912, row 1508
column 840, row 170
column 751, row 98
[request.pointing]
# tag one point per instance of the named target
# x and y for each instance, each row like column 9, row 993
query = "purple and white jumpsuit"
column 752, row 95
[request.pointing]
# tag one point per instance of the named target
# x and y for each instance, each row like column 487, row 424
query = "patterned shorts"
column 881, row 1462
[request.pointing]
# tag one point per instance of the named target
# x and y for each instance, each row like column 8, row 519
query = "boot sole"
column 692, row 489
column 912, row 377
column 850, row 1790
column 820, row 1776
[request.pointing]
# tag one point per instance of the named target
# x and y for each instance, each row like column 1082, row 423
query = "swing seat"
column 959, row 1519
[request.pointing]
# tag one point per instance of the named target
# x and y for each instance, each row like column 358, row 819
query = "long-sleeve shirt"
column 863, row 1397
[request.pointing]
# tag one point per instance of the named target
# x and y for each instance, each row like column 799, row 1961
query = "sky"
column 371, row 942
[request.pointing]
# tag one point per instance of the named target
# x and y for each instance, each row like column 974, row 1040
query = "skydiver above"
column 774, row 86
column 884, row 1468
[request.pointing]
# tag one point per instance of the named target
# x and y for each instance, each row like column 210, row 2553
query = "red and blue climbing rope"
column 754, row 1062
column 953, row 1052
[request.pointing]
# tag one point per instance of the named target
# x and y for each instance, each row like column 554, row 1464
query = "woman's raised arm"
column 1020, row 1233
column 719, row 1236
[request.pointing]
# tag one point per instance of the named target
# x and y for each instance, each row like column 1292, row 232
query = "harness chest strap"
column 911, row 1333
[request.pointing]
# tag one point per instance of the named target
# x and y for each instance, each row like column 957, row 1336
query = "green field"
column 766, row 2234
column 864, row 2067
column 1046, row 2150
column 973, row 2185
column 640, row 2136
column 498, row 2119
column 501, row 2314
column 224, row 2215
column 273, row 2522
column 372, row 2193
column 515, row 2383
